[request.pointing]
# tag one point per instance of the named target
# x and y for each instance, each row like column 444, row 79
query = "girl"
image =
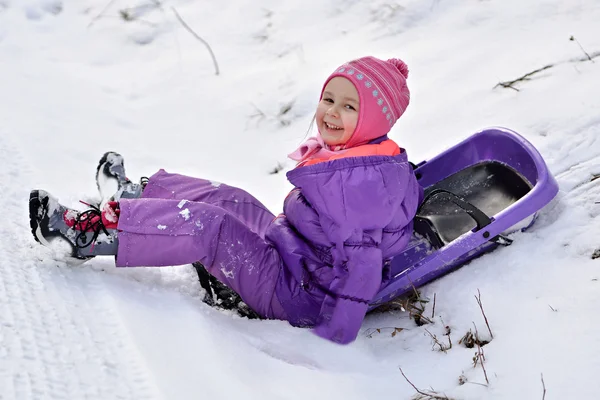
column 316, row 265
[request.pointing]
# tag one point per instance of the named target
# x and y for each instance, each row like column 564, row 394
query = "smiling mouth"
column 332, row 127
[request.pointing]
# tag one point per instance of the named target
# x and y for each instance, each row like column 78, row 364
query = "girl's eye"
column 327, row 100
column 349, row 107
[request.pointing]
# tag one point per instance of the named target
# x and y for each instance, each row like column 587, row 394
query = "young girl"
column 316, row 265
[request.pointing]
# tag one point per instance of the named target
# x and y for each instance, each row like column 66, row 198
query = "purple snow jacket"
column 340, row 224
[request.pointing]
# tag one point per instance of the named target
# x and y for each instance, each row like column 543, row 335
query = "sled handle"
column 479, row 216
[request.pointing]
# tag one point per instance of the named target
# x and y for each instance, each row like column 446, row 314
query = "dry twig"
column 509, row 84
column 371, row 331
column 430, row 395
column 478, row 298
column 190, row 30
column 544, row 387
column 433, row 310
column 480, row 355
column 442, row 346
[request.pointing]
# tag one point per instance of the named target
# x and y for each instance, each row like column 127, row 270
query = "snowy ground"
column 77, row 79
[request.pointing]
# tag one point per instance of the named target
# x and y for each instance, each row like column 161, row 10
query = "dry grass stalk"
column 442, row 347
column 416, row 307
column 572, row 38
column 480, row 355
column 478, row 298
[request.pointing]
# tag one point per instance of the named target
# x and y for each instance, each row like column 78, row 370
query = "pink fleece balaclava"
column 383, row 97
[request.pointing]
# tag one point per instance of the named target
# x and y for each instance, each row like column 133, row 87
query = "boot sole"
column 103, row 169
column 35, row 204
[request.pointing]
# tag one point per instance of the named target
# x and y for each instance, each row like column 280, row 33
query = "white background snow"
column 76, row 80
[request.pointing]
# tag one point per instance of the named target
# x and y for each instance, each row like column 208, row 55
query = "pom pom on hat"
column 402, row 67
column 383, row 95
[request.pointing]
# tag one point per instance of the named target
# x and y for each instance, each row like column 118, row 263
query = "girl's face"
column 337, row 112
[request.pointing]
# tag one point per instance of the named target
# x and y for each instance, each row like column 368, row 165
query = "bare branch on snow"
column 190, row 30
column 509, row 84
column 544, row 387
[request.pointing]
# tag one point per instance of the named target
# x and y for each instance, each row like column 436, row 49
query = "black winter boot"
column 88, row 233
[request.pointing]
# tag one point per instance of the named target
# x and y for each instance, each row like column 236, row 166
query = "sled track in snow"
column 61, row 336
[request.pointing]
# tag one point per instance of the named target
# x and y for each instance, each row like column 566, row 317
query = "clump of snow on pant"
column 228, row 274
column 185, row 214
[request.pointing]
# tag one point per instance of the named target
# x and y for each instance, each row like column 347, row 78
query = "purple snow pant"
column 181, row 220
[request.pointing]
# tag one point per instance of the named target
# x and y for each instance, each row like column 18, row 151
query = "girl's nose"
column 332, row 112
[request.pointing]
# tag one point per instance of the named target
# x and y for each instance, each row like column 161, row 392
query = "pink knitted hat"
column 383, row 95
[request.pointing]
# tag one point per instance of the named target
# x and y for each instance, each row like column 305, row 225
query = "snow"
column 114, row 159
column 78, row 80
column 228, row 274
column 185, row 214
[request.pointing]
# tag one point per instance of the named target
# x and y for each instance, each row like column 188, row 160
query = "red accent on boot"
column 110, row 215
column 88, row 221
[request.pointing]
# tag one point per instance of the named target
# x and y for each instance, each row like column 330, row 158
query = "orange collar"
column 385, row 148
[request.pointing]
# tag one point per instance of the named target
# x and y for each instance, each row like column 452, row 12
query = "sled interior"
column 473, row 192
column 489, row 185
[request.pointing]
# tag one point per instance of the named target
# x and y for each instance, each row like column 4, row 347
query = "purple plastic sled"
column 491, row 183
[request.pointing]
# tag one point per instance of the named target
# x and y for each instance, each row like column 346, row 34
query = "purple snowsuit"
column 316, row 265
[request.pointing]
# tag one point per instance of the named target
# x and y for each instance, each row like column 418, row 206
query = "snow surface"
column 78, row 80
